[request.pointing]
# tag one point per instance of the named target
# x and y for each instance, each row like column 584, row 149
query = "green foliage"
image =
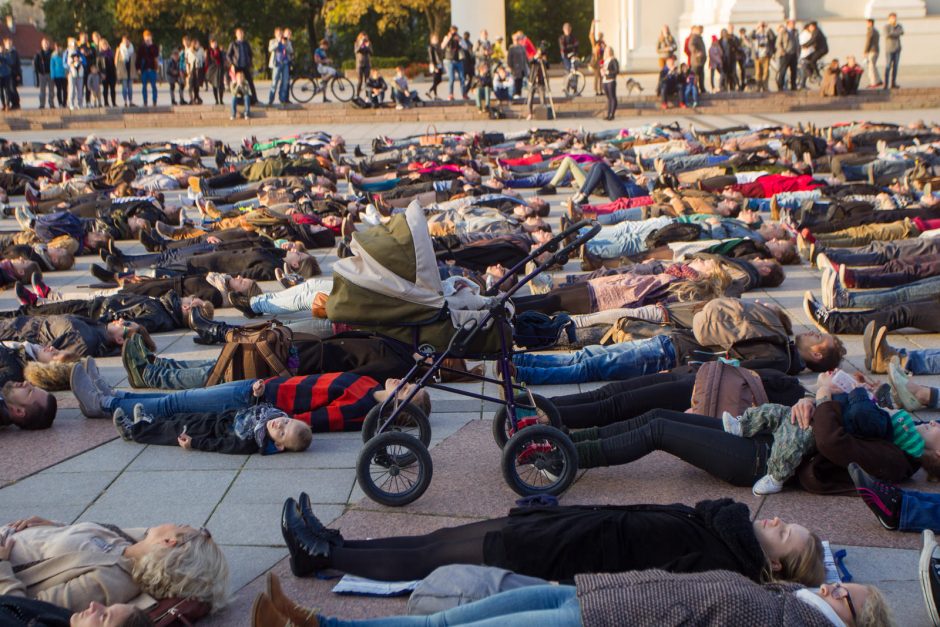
column 64, row 18
column 542, row 19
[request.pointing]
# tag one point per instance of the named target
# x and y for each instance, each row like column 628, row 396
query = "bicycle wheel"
column 342, row 89
column 303, row 89
column 385, row 480
column 577, row 82
column 544, row 408
column 539, row 460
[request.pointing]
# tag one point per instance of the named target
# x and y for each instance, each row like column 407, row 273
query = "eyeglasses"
column 840, row 592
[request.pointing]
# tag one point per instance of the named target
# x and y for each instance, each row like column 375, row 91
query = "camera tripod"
column 546, row 92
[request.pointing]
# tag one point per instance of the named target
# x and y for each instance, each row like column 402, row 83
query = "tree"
column 539, row 20
column 392, row 13
column 65, row 18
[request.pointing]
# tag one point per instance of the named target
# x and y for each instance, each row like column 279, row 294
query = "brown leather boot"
column 298, row 615
column 265, row 614
column 882, row 352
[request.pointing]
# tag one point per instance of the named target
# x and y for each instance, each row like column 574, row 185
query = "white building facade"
column 633, row 25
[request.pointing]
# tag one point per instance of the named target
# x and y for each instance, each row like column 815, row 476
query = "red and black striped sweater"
column 336, row 401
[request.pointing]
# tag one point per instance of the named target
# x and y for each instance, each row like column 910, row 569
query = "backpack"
column 721, row 387
column 533, row 329
column 675, row 232
column 177, row 612
column 253, row 351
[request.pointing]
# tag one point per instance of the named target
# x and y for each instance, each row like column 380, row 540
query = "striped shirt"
column 336, row 401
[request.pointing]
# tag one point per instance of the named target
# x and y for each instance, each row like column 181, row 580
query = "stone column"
column 879, row 9
column 750, row 11
column 475, row 15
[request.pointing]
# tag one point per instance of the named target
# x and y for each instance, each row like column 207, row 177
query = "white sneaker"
column 372, row 215
column 731, row 424
column 767, row 485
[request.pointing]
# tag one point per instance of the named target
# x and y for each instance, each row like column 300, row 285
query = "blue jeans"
column 891, row 69
column 170, row 374
column 922, row 360
column 127, row 90
column 786, row 200
column 681, row 163
column 246, row 99
column 633, row 214
column 690, row 95
column 881, row 168
column 545, row 606
column 148, row 77
column 598, row 363
column 625, row 239
column 218, row 398
column 482, row 96
column 454, row 70
column 919, row 511
column 540, row 179
column 297, row 298
column 925, row 289
column 280, row 82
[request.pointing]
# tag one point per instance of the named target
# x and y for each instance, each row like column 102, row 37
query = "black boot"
column 152, row 241
column 207, row 331
column 308, row 552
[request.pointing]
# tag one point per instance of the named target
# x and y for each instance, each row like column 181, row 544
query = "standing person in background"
column 764, row 42
column 173, row 76
column 469, row 63
column 518, row 64
column 499, row 51
column 537, row 79
column 147, row 66
column 16, row 67
column 567, row 46
column 698, row 56
column 893, row 33
column 195, row 69
column 89, row 58
column 435, row 65
column 6, row 79
column 666, row 46
column 42, row 66
column 484, row 88
column 872, row 50
column 215, row 70
column 58, row 74
column 125, row 62
column 241, row 57
column 108, row 72
column 281, row 56
column 597, row 55
column 483, row 50
column 745, row 56
column 272, row 44
column 610, row 70
column 76, row 71
column 363, row 50
column 716, row 64
column 452, row 64
column 788, row 54
column 729, row 55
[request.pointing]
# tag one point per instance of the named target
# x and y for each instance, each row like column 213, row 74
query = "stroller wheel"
column 410, row 419
column 539, row 460
column 502, row 428
column 394, row 468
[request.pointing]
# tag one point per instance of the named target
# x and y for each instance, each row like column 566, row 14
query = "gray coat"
column 517, row 61
column 709, row 599
column 893, row 38
column 872, row 41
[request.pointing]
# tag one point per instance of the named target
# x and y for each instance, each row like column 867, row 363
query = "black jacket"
column 75, row 333
column 41, row 62
column 17, row 611
column 195, row 285
column 250, row 263
column 211, row 432
column 154, row 313
column 557, row 543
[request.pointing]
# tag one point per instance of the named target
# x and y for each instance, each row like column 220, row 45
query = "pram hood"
column 391, row 278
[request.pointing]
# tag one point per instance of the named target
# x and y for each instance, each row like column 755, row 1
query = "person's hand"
column 32, row 521
column 6, row 547
column 212, row 239
column 824, row 380
column 185, row 441
column 257, row 388
column 802, row 413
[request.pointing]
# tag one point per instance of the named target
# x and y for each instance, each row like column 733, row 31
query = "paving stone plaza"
column 80, row 470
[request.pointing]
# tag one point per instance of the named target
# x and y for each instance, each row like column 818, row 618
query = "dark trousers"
column 61, row 90
column 623, row 400
column 916, row 315
column 172, row 257
column 788, row 63
column 61, row 308
column 363, row 354
column 573, row 299
column 517, row 86
column 896, row 272
column 108, row 90
column 610, row 90
column 482, row 255
column 697, row 440
column 603, row 174
column 881, row 252
column 230, row 179
column 828, row 223
column 436, row 79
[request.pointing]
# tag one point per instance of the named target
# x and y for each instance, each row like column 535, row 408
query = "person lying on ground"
column 18, row 611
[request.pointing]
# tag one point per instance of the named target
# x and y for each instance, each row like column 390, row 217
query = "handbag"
column 431, row 139
column 177, row 612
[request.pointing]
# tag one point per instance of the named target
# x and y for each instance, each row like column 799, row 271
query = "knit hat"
column 905, row 434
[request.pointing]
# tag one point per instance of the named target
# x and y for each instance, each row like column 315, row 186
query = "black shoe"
column 308, row 552
column 883, row 499
column 103, row 274
column 306, row 512
column 152, row 241
column 547, row 190
column 358, row 151
column 207, row 331
column 817, row 314
column 929, row 571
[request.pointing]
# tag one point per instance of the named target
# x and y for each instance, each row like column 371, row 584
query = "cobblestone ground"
column 79, row 470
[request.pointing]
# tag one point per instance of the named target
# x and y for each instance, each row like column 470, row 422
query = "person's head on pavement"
column 26, row 406
column 820, row 351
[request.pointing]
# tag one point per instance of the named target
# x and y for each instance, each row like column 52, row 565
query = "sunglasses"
column 838, row 593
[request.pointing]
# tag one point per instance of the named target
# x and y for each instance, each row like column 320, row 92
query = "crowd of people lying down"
column 671, row 298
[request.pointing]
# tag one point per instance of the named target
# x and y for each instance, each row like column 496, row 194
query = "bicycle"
column 574, row 80
column 304, row 88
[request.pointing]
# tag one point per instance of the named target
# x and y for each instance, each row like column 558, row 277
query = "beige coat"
column 120, row 60
column 71, row 579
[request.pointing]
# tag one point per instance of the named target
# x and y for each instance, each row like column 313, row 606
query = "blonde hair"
column 53, row 376
column 805, row 567
column 705, row 287
column 875, row 612
column 195, row 568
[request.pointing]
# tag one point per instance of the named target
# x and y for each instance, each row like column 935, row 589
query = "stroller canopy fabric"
column 392, row 276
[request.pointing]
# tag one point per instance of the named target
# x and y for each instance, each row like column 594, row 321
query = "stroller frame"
column 542, row 440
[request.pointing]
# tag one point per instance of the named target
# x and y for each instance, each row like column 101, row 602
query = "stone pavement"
column 80, row 471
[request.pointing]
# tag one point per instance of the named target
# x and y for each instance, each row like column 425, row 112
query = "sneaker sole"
column 133, row 377
column 923, row 572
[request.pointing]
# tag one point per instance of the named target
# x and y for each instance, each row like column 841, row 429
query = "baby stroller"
column 392, row 285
